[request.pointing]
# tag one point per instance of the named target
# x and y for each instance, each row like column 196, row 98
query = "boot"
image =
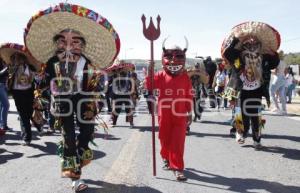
column 114, row 119
column 129, row 118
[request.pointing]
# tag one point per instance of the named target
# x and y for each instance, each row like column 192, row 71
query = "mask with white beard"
column 252, row 58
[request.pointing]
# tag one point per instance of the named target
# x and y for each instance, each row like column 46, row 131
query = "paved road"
column 214, row 161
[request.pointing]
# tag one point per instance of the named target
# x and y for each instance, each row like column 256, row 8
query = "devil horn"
column 163, row 44
column 186, row 44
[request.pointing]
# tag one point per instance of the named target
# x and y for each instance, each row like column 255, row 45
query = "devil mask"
column 173, row 59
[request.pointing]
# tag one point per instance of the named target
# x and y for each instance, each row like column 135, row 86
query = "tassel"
column 60, row 149
column 93, row 143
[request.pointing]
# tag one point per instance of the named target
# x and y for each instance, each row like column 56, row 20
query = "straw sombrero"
column 267, row 35
column 8, row 49
column 204, row 78
column 102, row 41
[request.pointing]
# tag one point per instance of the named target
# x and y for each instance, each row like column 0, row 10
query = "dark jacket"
column 269, row 62
column 50, row 73
column 3, row 73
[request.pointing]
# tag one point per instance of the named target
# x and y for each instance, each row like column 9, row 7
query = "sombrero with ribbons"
column 266, row 34
column 102, row 41
column 8, row 49
column 120, row 66
column 204, row 77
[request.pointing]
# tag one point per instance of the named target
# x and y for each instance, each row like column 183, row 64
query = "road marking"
column 297, row 118
column 119, row 172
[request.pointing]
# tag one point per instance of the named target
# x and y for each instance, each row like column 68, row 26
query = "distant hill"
column 140, row 63
column 292, row 58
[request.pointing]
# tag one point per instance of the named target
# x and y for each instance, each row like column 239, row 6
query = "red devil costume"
column 174, row 107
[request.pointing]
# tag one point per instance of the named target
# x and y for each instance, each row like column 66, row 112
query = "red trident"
column 152, row 33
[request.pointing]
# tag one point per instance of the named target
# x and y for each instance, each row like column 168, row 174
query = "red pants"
column 175, row 158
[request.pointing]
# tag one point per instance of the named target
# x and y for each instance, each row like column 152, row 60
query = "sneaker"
column 239, row 138
column 40, row 130
column 282, row 113
column 275, row 110
column 257, row 145
column 50, row 130
column 26, row 143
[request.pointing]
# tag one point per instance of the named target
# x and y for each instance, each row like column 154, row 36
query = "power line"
column 289, row 40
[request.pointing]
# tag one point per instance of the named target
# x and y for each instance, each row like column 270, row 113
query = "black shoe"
column 199, row 117
column 232, row 132
column 195, row 119
column 6, row 128
column 187, row 132
column 166, row 164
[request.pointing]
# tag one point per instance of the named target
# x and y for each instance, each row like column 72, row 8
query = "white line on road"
column 120, row 170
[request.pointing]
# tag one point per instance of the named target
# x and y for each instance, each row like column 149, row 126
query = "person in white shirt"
column 219, row 83
column 21, row 86
column 278, row 85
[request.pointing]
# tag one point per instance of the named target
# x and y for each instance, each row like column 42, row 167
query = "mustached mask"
column 70, row 44
column 173, row 59
column 252, row 57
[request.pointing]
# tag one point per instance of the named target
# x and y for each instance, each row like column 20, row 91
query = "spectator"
column 211, row 69
column 290, row 84
column 219, row 83
column 4, row 103
column 278, row 85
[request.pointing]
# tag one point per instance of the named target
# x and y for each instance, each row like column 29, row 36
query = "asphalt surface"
column 123, row 160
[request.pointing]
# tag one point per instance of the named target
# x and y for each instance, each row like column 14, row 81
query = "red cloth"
column 174, row 102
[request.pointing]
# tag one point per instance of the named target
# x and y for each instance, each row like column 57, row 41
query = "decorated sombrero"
column 266, row 34
column 102, row 41
column 120, row 66
column 204, row 77
column 8, row 49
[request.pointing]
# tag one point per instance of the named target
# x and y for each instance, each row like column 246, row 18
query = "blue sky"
column 204, row 23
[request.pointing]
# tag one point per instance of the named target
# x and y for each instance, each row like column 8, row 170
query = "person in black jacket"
column 72, row 105
column 249, row 80
column 75, row 47
column 211, row 69
column 122, row 90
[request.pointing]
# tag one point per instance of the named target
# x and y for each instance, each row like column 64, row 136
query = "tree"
column 292, row 58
